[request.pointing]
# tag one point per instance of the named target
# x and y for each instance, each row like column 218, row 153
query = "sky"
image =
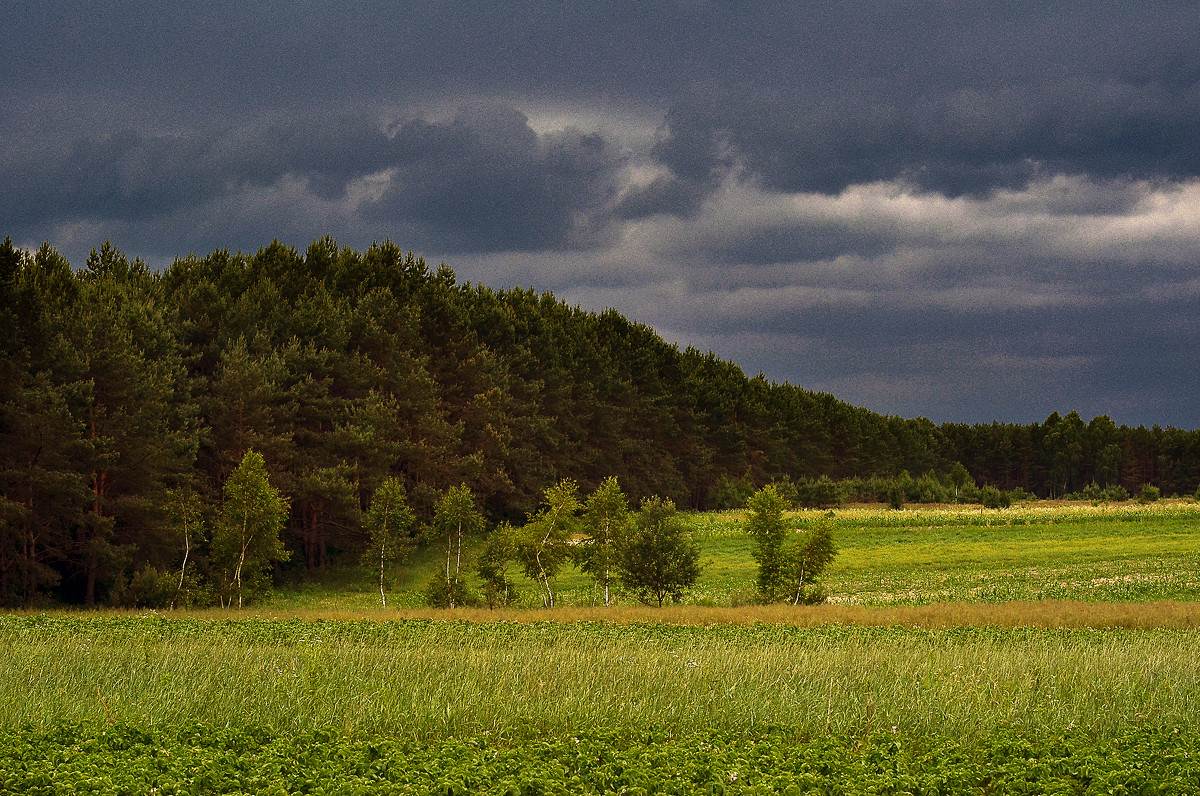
column 967, row 211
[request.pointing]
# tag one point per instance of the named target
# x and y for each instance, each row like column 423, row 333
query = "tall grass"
column 431, row 680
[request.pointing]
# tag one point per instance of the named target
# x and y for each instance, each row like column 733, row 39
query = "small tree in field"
column 787, row 565
column 959, row 478
column 767, row 528
column 246, row 540
column 804, row 559
column 605, row 523
column 455, row 517
column 544, row 548
column 186, row 512
column 659, row 559
column 389, row 521
column 502, row 549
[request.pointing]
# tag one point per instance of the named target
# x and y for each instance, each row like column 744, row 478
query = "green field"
column 1106, row 553
column 921, row 675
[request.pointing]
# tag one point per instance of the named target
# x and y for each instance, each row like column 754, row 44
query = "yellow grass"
column 1045, row 614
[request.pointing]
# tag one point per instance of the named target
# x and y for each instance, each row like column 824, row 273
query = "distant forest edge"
column 122, row 388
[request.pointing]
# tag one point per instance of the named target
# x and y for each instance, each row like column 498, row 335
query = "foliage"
column 502, row 550
column 765, row 525
column 1148, row 494
column 895, row 495
column 443, row 593
column 455, row 518
column 544, row 546
column 246, row 540
column 658, row 559
column 992, row 498
column 122, row 387
column 804, row 559
column 205, row 758
column 605, row 525
column 389, row 521
column 818, row 493
column 731, row 493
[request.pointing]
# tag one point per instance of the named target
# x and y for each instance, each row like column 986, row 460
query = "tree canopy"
column 122, row 387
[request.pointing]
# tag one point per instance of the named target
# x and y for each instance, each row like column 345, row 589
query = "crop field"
column 920, row 675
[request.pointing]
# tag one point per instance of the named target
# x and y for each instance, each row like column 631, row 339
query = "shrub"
column 1149, row 494
column 820, row 493
column 1115, row 493
column 730, row 493
column 993, row 498
column 443, row 593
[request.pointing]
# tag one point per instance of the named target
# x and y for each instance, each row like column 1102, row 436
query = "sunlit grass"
column 1103, row 553
column 429, row 680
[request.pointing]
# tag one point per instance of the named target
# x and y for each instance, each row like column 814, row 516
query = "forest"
column 129, row 396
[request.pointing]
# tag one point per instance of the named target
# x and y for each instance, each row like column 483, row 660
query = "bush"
column 895, row 496
column 149, row 588
column 787, row 489
column 730, row 493
column 1115, row 493
column 930, row 489
column 1149, row 494
column 820, row 493
column 812, row 595
column 993, row 498
column 439, row 592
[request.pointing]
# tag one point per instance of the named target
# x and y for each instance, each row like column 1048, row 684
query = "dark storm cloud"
column 127, row 175
column 486, row 180
column 963, row 142
column 965, row 210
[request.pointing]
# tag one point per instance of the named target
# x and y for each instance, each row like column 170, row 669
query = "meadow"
column 1038, row 649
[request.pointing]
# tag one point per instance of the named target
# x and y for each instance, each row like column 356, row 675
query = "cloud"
column 984, row 210
column 486, row 180
column 957, row 141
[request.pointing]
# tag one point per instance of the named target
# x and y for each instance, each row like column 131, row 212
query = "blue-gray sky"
column 969, row 211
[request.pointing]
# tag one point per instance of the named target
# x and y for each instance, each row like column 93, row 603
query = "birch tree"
column 246, row 541
column 186, row 511
column 547, row 534
column 455, row 517
column 389, row 521
column 605, row 523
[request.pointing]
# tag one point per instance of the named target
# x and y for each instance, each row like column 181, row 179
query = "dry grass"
column 1047, row 614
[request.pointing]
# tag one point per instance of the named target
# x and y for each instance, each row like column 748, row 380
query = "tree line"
column 129, row 397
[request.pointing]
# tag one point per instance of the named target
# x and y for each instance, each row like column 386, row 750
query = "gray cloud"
column 970, row 211
column 485, row 180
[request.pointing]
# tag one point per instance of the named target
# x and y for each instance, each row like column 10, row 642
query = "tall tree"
column 545, row 543
column 501, row 550
column 455, row 517
column 766, row 526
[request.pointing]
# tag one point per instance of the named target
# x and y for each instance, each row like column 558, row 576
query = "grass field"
column 1079, row 552
column 1040, row 649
